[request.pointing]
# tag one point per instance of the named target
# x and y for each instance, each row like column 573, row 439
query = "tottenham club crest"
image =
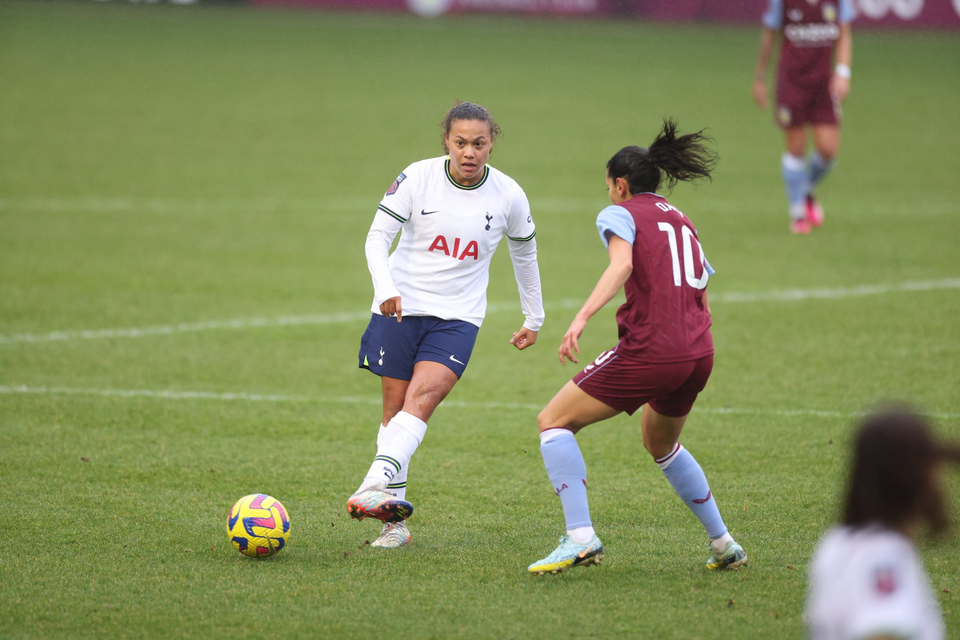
column 396, row 184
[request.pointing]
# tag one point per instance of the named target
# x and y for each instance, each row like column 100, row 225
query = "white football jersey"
column 448, row 234
column 867, row 582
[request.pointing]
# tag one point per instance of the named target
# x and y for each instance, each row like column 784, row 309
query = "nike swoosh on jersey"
column 426, row 213
column 457, row 361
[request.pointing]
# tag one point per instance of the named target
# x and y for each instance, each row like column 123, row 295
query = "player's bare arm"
column 840, row 82
column 767, row 38
column 610, row 283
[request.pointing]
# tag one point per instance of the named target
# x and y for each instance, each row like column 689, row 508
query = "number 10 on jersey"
column 688, row 269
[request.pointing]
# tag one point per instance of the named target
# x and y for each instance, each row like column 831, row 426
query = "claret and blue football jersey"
column 664, row 318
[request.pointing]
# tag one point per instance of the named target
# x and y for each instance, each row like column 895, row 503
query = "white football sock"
column 581, row 535
column 719, row 544
column 396, row 444
column 399, row 485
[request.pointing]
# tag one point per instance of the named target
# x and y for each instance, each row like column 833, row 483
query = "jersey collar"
column 446, row 169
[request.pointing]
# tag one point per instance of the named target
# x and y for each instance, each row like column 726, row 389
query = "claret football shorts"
column 390, row 348
column 797, row 106
column 669, row 388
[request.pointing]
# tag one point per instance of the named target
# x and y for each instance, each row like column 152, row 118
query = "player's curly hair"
column 467, row 111
column 686, row 157
column 891, row 477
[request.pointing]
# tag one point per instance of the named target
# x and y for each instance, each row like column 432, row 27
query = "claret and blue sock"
column 687, row 478
column 568, row 474
column 580, row 547
column 818, row 169
column 796, row 180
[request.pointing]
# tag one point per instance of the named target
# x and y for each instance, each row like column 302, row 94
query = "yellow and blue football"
column 258, row 526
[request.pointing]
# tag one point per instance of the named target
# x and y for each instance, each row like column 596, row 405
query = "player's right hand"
column 760, row 93
column 839, row 87
column 391, row 307
column 569, row 346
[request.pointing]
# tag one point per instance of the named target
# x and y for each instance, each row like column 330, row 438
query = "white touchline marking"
column 187, row 327
column 789, row 295
column 373, row 401
column 149, row 393
column 587, row 206
column 175, row 206
column 841, row 292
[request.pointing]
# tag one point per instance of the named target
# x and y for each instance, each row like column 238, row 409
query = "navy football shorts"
column 390, row 348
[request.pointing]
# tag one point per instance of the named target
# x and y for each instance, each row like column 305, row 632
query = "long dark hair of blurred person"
column 866, row 578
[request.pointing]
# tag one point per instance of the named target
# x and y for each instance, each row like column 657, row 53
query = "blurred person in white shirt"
column 867, row 580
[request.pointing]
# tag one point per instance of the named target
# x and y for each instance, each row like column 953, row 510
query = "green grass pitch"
column 184, row 195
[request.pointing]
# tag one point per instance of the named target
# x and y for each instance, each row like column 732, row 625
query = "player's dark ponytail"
column 686, row 157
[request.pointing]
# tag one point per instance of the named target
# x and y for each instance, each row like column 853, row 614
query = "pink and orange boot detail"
column 379, row 505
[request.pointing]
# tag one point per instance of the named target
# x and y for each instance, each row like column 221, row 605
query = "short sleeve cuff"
column 773, row 16
column 847, row 12
column 618, row 221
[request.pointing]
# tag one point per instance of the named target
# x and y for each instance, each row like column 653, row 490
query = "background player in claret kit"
column 809, row 92
column 665, row 353
column 430, row 295
column 867, row 580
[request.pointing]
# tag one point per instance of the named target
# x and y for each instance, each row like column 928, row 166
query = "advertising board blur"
column 942, row 14
column 920, row 13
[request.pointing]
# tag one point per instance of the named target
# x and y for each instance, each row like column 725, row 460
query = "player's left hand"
column 523, row 338
column 839, row 87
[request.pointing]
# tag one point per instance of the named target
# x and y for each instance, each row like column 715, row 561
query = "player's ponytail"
column 686, row 157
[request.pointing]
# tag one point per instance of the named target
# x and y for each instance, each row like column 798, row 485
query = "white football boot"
column 393, row 535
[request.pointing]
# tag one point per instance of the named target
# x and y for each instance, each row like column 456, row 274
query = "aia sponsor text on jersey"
column 470, row 250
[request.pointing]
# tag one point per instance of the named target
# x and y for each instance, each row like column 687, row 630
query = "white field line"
column 165, row 206
column 789, row 295
column 373, row 401
column 150, row 393
column 188, row 327
column 842, row 292
column 174, row 206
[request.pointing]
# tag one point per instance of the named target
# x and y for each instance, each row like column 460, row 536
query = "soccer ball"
column 258, row 526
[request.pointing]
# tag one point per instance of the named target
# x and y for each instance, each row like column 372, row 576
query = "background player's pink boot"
column 814, row 212
column 800, row 226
